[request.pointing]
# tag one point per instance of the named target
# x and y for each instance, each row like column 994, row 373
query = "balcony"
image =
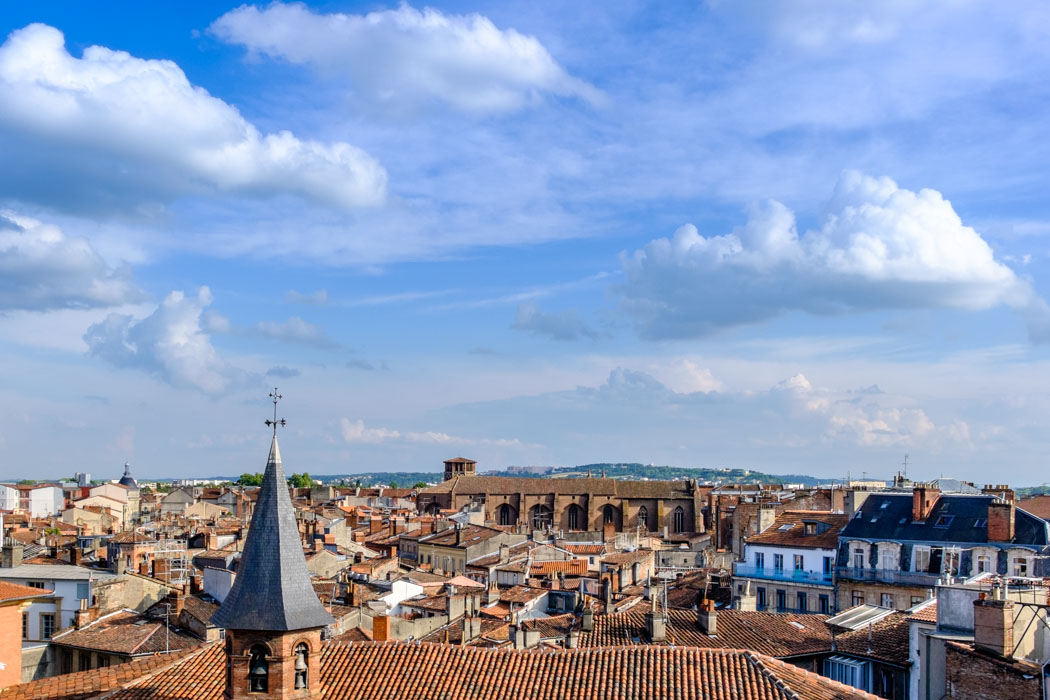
column 901, row 578
column 772, row 574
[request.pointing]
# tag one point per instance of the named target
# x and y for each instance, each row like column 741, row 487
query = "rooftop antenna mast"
column 275, row 422
column 905, row 465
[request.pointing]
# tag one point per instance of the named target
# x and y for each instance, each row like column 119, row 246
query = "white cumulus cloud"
column 357, row 432
column 113, row 127
column 406, row 56
column 879, row 246
column 169, row 344
column 43, row 269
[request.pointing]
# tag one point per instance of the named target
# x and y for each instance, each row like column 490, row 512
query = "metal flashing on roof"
column 859, row 616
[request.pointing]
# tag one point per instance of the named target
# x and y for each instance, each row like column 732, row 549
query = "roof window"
column 944, row 521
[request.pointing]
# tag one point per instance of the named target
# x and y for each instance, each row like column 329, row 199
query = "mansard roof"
column 953, row 518
column 272, row 591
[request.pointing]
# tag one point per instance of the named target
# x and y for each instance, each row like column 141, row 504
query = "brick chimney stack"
column 1001, row 518
column 923, row 498
column 993, row 626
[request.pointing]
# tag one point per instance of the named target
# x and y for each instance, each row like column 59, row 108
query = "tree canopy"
column 249, row 479
column 301, row 481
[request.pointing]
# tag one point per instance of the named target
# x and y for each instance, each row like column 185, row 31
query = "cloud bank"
column 42, row 269
column 879, row 246
column 357, row 432
column 404, row 57
column 114, row 127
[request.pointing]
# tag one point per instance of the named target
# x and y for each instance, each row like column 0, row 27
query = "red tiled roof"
column 368, row 670
column 1038, row 506
column 15, row 591
column 788, row 530
column 772, row 634
column 927, row 614
column 88, row 684
column 584, row 549
column 573, row 567
column 126, row 632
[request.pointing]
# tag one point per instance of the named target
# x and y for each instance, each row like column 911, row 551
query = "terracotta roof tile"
column 789, row 530
column 367, row 670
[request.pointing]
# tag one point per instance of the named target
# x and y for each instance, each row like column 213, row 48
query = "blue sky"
column 794, row 237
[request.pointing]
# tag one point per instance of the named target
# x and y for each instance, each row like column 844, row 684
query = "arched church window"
column 643, row 517
column 679, row 519
column 302, row 666
column 258, row 670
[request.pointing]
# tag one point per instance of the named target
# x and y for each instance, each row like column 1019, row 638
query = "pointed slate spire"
column 272, row 591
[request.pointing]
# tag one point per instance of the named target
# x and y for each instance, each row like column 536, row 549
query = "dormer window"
column 302, row 667
column 258, row 670
column 811, row 528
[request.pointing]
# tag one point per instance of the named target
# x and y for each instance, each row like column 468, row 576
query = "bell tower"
column 272, row 616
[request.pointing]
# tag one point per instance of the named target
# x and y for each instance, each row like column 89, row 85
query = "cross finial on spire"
column 274, row 423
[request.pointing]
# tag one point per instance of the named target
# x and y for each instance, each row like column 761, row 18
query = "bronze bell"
column 258, row 667
column 300, row 661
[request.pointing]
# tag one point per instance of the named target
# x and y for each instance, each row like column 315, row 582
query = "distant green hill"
column 636, row 470
column 620, row 470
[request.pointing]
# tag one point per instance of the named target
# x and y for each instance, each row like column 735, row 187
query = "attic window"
column 944, row 521
column 980, row 522
column 902, row 520
column 885, row 505
column 785, row 527
column 875, row 519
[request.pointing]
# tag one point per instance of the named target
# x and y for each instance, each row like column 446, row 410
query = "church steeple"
column 272, row 616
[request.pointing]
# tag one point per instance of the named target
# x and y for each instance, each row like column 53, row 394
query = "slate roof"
column 961, row 515
column 272, row 590
column 368, row 670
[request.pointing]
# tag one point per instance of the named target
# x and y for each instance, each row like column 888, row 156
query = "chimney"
column 923, row 498
column 471, row 628
column 375, row 525
column 459, row 534
column 993, row 626
column 587, row 621
column 707, row 618
column 380, row 628
column 12, row 553
column 1000, row 491
column 573, row 639
column 1001, row 518
column 746, row 601
column 531, row 637
column 504, row 553
column 767, row 513
column 656, row 626
column 493, row 593
column 177, row 601
column 607, row 594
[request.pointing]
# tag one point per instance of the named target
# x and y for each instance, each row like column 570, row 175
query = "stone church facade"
column 574, row 504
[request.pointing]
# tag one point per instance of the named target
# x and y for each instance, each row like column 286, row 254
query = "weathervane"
column 274, row 423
